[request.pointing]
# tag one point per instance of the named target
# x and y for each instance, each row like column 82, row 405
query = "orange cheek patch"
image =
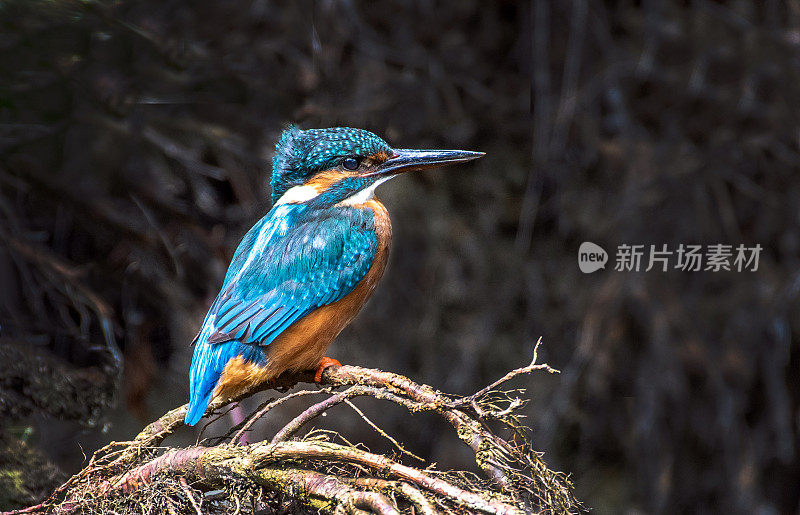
column 324, row 180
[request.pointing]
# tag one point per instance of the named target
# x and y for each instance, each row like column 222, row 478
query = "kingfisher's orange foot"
column 324, row 363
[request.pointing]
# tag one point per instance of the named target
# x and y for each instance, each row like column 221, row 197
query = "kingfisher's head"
column 329, row 166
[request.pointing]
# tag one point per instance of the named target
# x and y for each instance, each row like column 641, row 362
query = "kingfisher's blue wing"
column 289, row 264
column 286, row 273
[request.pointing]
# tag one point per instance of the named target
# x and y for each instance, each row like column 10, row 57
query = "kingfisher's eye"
column 350, row 163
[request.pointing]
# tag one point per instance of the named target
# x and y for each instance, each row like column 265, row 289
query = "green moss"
column 26, row 477
column 12, row 488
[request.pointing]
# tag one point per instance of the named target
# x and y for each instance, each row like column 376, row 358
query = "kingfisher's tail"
column 197, row 408
column 203, row 377
column 208, row 363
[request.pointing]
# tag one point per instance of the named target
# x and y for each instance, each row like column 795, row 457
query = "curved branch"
column 212, row 464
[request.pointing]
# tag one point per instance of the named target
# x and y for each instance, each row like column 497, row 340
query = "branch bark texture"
column 312, row 472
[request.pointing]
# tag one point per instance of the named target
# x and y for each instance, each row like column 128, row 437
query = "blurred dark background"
column 135, row 148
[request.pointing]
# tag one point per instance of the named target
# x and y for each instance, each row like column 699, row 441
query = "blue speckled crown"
column 301, row 153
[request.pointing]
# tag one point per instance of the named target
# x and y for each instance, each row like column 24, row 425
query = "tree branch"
column 318, row 473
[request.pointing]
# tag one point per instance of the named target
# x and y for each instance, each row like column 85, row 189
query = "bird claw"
column 324, row 363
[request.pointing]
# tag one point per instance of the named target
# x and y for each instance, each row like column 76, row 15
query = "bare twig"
column 264, row 409
column 190, row 496
column 382, row 432
column 471, row 400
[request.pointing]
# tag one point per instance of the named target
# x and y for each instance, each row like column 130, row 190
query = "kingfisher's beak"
column 407, row 160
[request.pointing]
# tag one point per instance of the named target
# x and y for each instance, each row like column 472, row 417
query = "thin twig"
column 514, row 373
column 264, row 409
column 355, row 391
column 382, row 432
column 188, row 492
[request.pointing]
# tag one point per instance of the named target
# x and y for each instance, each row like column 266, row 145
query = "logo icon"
column 591, row 257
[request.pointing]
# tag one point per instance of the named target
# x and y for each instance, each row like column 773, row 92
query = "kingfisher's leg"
column 324, row 363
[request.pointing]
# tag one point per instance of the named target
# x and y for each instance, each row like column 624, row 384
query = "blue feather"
column 293, row 261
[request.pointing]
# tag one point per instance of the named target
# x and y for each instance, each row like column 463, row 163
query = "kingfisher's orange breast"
column 303, row 344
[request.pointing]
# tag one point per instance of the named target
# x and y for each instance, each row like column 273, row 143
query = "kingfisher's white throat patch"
column 304, row 193
column 298, row 194
column 364, row 195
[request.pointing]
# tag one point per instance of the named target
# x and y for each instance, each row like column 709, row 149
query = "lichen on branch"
column 318, row 472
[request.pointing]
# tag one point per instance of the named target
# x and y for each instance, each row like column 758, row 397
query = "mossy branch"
column 314, row 473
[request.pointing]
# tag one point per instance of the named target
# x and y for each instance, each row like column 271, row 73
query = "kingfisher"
column 303, row 271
